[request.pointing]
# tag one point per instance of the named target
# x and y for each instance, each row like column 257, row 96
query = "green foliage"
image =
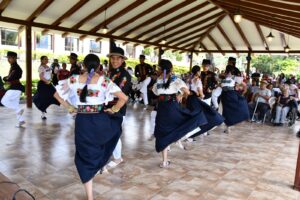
column 276, row 64
column 148, row 51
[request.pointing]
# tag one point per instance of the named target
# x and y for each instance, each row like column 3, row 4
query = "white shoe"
column 19, row 124
column 113, row 164
column 19, row 114
column 180, row 145
column 190, row 140
column 227, row 130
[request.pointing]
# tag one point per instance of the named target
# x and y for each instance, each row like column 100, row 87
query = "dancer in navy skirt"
column 44, row 96
column 194, row 102
column 235, row 107
column 97, row 130
column 172, row 122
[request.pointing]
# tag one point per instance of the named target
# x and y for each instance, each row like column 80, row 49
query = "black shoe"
column 43, row 117
column 298, row 134
column 280, row 124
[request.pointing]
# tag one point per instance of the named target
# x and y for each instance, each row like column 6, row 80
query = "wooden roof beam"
column 78, row 31
column 226, row 37
column 181, row 23
column 116, row 16
column 294, row 32
column 187, row 28
column 187, row 40
column 92, row 15
column 276, row 4
column 159, row 16
column 186, row 36
column 265, row 14
column 143, row 13
column 169, row 21
column 215, row 43
column 262, row 37
column 3, row 5
column 37, row 12
column 275, row 19
column 239, row 29
column 209, row 30
column 67, row 14
column 247, row 5
column 119, row 14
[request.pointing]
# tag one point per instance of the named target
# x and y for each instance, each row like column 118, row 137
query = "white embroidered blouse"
column 99, row 93
column 174, row 87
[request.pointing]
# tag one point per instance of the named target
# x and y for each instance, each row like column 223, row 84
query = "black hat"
column 232, row 59
column 73, row 55
column 255, row 75
column 206, row 62
column 117, row 51
column 142, row 56
column 195, row 69
column 11, row 54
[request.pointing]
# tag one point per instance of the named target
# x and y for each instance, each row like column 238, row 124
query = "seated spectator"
column 282, row 108
column 63, row 73
column 261, row 97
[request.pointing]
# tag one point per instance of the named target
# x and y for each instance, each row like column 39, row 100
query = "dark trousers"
column 262, row 109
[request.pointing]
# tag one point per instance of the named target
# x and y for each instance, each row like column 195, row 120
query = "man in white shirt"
column 261, row 97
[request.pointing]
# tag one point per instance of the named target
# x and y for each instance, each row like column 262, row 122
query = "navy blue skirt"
column 212, row 116
column 235, row 107
column 96, row 136
column 44, row 97
column 173, row 122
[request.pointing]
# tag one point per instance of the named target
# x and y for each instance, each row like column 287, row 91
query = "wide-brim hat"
column 73, row 55
column 11, row 54
column 232, row 59
column 117, row 51
column 206, row 62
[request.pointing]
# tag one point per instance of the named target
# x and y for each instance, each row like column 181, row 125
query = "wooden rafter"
column 4, row 5
column 159, row 16
column 239, row 29
column 243, row 4
column 37, row 12
column 119, row 14
column 78, row 31
column 190, row 33
column 187, row 40
column 271, row 25
column 262, row 37
column 209, row 30
column 143, row 13
column 169, row 21
column 191, row 26
column 266, row 16
column 226, row 37
column 67, row 14
column 116, row 16
column 215, row 43
column 92, row 15
column 182, row 23
column 276, row 4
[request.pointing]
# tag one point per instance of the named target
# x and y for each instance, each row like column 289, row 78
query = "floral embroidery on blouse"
column 90, row 93
column 72, row 79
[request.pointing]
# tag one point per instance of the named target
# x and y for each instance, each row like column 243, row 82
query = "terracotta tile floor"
column 253, row 162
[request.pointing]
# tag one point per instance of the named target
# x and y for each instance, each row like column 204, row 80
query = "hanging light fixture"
column 104, row 28
column 287, row 48
column 237, row 18
column 164, row 41
column 270, row 36
column 200, row 48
